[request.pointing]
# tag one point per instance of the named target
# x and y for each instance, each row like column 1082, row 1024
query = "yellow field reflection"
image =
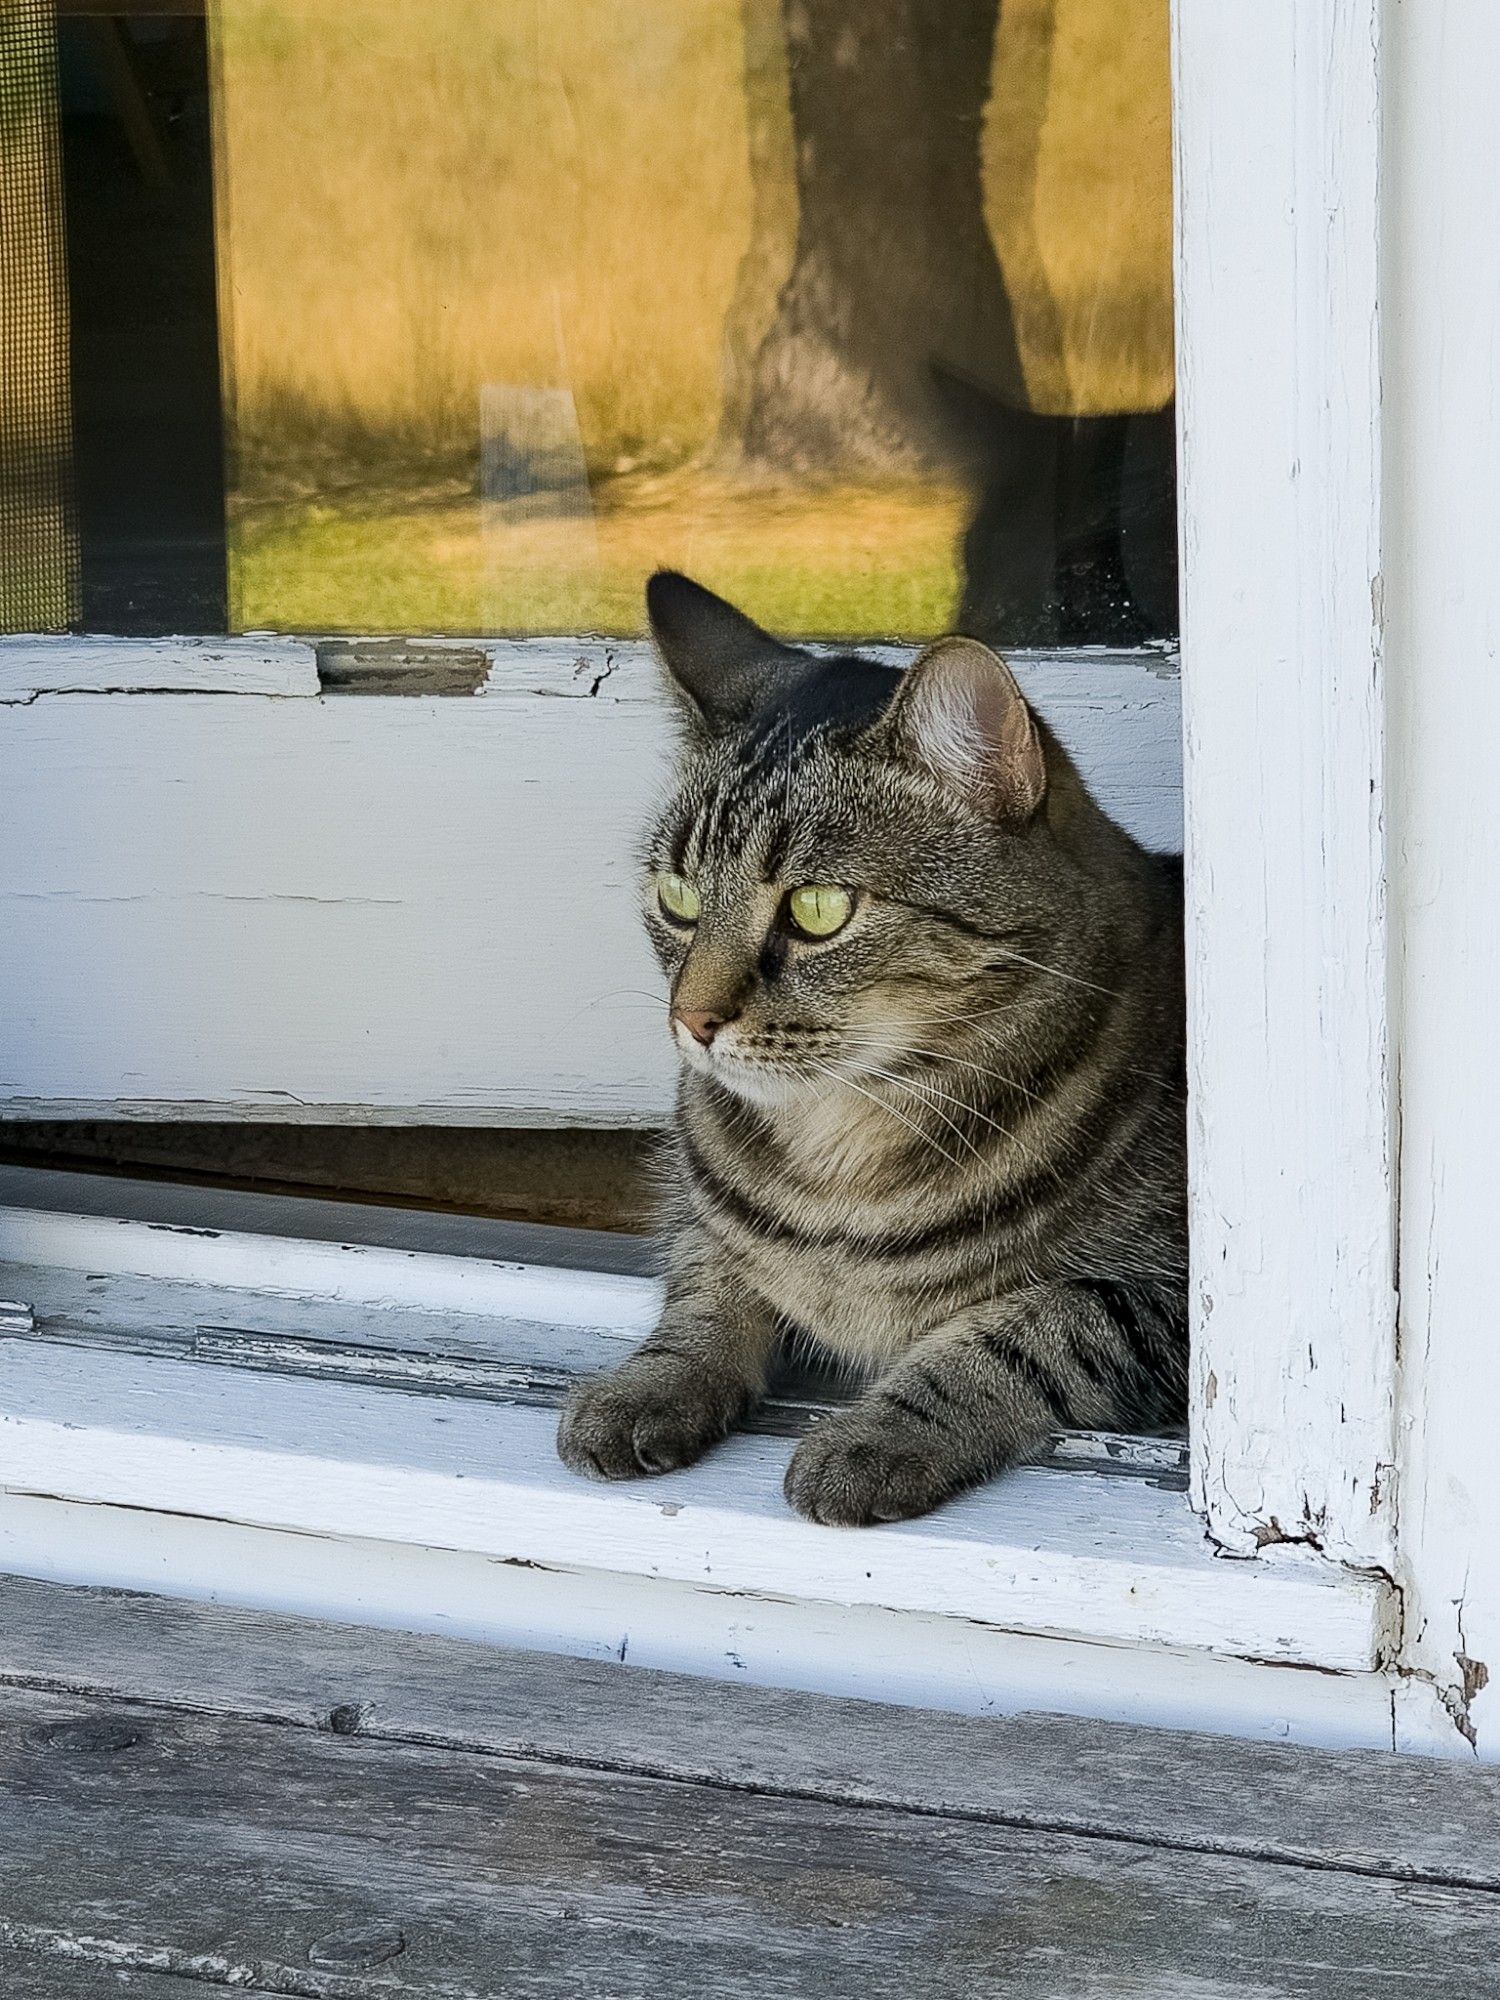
column 424, row 204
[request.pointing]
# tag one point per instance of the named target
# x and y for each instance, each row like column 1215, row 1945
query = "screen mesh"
column 38, row 535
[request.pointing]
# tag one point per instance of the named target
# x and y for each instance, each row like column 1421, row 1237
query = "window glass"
column 148, row 434
column 859, row 310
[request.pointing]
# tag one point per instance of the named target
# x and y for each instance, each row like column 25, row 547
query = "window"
column 861, row 312
column 276, row 890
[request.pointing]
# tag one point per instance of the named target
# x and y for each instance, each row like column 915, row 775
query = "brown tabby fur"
column 945, row 1145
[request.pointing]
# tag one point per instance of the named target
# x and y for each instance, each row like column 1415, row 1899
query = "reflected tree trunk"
column 891, row 347
column 894, row 268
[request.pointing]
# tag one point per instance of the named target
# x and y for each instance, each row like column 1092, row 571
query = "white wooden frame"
column 1339, row 285
column 1293, row 1245
column 1338, row 295
column 415, row 909
column 305, row 1405
column 1442, row 608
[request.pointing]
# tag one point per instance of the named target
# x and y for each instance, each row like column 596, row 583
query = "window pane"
column 147, row 429
column 860, row 310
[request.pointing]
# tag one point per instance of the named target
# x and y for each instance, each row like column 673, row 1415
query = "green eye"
column 818, row 909
column 678, row 897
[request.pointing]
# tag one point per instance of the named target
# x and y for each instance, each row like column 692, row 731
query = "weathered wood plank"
column 242, row 1844
column 1401, row 1817
column 59, row 1973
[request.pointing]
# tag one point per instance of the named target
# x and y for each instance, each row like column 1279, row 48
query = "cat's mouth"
column 772, row 1066
column 762, row 1063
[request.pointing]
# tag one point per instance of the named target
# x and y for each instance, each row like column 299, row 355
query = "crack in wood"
column 360, row 1718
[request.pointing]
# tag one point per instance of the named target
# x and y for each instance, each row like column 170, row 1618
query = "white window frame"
column 1293, row 1242
column 243, row 850
column 1332, row 498
column 273, row 1402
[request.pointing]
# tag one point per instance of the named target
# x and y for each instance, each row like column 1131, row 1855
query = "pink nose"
column 701, row 1022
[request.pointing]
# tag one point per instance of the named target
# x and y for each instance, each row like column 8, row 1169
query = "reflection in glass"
column 438, row 315
column 858, row 309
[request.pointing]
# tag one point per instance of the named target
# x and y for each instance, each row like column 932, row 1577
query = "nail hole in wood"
column 349, row 1717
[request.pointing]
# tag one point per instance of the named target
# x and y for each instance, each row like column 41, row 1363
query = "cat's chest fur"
column 812, row 1204
column 831, row 1294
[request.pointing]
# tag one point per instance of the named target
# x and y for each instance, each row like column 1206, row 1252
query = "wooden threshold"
column 311, row 1407
column 335, row 1388
column 199, row 1797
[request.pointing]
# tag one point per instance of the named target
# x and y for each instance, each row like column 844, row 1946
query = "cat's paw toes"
column 642, row 1420
column 856, row 1470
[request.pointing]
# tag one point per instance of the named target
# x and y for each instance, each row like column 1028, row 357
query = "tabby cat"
column 928, row 1002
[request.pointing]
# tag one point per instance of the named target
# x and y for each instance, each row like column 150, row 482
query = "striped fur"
column 945, row 1146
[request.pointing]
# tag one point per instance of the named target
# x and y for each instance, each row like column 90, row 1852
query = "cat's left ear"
column 959, row 714
column 720, row 660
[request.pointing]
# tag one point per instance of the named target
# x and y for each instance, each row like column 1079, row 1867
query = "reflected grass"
column 417, row 200
column 821, row 562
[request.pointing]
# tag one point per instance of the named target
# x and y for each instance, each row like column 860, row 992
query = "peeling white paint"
column 1443, row 613
column 1277, row 121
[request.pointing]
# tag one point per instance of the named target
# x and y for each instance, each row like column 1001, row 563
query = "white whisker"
column 843, row 1077
column 979, row 1069
column 915, row 1089
column 1055, row 972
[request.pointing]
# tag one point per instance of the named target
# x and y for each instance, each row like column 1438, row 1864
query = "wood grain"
column 238, row 1845
column 1406, row 1818
column 55, row 1971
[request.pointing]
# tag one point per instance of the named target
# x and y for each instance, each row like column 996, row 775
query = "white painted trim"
column 1114, row 1561
column 1442, row 312
column 1277, row 112
column 211, row 1211
column 123, row 1460
column 36, row 664
column 384, row 1298
column 352, row 1273
column 403, row 910
column 899, row 1657
column 578, row 667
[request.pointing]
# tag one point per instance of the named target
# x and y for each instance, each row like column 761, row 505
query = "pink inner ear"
column 969, row 723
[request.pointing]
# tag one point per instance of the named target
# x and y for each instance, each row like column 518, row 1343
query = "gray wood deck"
column 192, row 1797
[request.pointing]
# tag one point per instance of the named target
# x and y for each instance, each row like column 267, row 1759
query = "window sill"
column 369, row 1392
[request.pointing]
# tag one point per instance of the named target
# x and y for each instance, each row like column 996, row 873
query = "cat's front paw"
column 654, row 1414
column 871, row 1464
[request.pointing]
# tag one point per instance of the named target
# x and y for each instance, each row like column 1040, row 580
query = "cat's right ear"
column 960, row 714
column 720, row 660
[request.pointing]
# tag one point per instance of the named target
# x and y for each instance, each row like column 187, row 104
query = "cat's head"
column 857, row 864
